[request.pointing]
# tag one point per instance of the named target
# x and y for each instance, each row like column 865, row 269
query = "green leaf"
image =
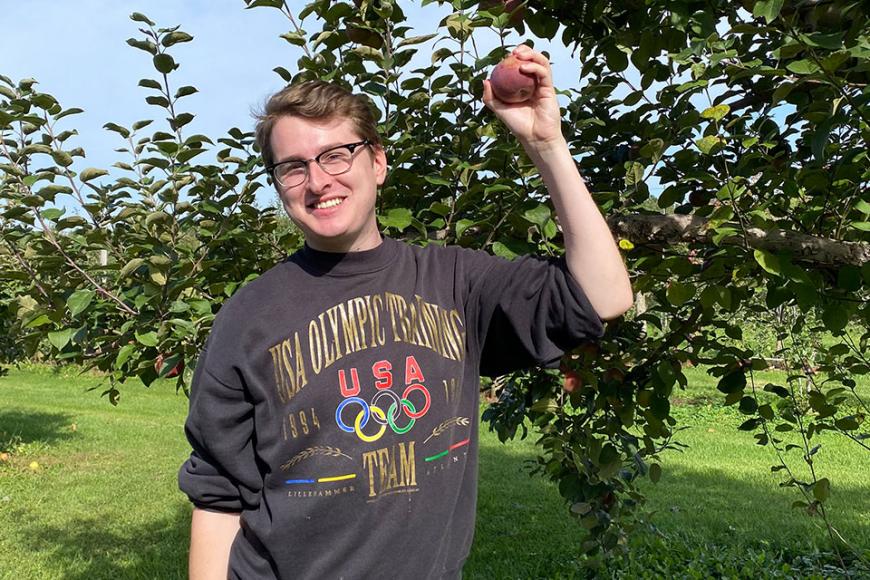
column 62, row 158
column 139, row 17
column 538, row 215
column 416, row 40
column 770, row 262
column 748, row 405
column 463, row 225
column 835, row 317
column 863, row 226
column 157, row 101
column 267, row 3
column 123, row 132
column 124, row 355
column 679, row 293
column 38, row 321
column 130, row 267
column 91, row 173
column 822, row 489
column 802, row 67
column 653, row 149
column 767, row 9
column 398, row 218
column 180, row 120
column 79, row 300
column 283, row 73
column 708, row 143
column 502, row 251
column 819, row 139
column 777, row 390
column 849, row 278
column 733, row 382
column 147, row 338
column 633, row 173
column 164, row 63
column 61, row 338
column 52, row 213
column 145, row 45
column 176, row 37
column 617, row 60
column 185, row 91
column 150, row 84
column 581, row 508
column 716, row 113
column 655, row 472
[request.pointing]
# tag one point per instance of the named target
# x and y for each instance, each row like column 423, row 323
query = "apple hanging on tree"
column 173, row 372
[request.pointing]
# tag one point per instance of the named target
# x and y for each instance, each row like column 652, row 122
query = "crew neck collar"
column 320, row 263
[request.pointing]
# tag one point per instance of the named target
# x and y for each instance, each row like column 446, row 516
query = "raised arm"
column 591, row 254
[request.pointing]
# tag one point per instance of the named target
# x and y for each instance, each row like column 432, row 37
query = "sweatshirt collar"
column 320, row 263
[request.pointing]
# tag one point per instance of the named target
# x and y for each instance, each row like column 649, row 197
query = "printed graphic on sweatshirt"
column 342, row 475
column 385, row 408
column 388, row 396
column 360, row 323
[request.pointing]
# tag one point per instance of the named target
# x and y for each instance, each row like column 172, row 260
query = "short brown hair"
column 314, row 100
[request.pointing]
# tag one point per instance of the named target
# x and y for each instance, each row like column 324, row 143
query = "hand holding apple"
column 520, row 92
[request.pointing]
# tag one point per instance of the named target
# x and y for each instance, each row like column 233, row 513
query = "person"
column 334, row 410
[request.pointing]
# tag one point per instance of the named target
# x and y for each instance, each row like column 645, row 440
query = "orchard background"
column 726, row 142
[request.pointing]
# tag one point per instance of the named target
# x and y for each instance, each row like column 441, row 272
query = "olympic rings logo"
column 372, row 410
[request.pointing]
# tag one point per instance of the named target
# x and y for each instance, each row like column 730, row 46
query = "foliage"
column 751, row 117
column 153, row 255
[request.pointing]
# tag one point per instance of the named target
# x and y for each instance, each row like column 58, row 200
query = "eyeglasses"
column 334, row 161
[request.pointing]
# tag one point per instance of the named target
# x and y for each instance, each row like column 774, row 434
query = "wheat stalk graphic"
column 311, row 452
column 461, row 421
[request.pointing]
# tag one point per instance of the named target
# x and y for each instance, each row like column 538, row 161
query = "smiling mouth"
column 330, row 203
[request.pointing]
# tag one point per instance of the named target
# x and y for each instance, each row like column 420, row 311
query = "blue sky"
column 77, row 52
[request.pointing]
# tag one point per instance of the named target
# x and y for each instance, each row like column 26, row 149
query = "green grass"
column 104, row 503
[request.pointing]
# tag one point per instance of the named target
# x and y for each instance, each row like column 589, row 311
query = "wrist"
column 546, row 150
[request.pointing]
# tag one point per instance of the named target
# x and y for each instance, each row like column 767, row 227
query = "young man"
column 334, row 411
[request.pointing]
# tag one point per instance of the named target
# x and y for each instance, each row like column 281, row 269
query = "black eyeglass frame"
column 352, row 147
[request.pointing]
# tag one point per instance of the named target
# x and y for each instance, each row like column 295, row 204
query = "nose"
column 318, row 179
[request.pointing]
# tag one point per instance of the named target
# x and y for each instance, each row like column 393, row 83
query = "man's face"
column 350, row 225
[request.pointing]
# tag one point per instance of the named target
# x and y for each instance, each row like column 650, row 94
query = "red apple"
column 509, row 84
column 176, row 370
column 571, row 381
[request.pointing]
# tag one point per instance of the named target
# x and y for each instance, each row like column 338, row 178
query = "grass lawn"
column 103, row 503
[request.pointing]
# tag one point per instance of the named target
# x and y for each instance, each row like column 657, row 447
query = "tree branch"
column 675, row 228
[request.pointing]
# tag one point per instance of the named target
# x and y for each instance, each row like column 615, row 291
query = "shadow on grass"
column 34, row 427
column 714, row 506
column 91, row 549
column 524, row 529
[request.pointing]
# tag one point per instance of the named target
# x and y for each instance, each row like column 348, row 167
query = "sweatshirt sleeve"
column 221, row 473
column 530, row 312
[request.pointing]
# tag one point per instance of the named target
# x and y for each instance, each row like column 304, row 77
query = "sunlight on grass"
column 102, row 501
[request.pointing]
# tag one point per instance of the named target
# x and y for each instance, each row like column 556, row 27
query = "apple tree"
column 727, row 144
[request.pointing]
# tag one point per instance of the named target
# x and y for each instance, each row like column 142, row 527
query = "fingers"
column 534, row 63
column 541, row 73
column 488, row 97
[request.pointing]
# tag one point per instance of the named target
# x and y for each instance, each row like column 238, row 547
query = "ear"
column 380, row 161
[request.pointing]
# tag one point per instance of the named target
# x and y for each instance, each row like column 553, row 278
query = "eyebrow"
column 298, row 158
